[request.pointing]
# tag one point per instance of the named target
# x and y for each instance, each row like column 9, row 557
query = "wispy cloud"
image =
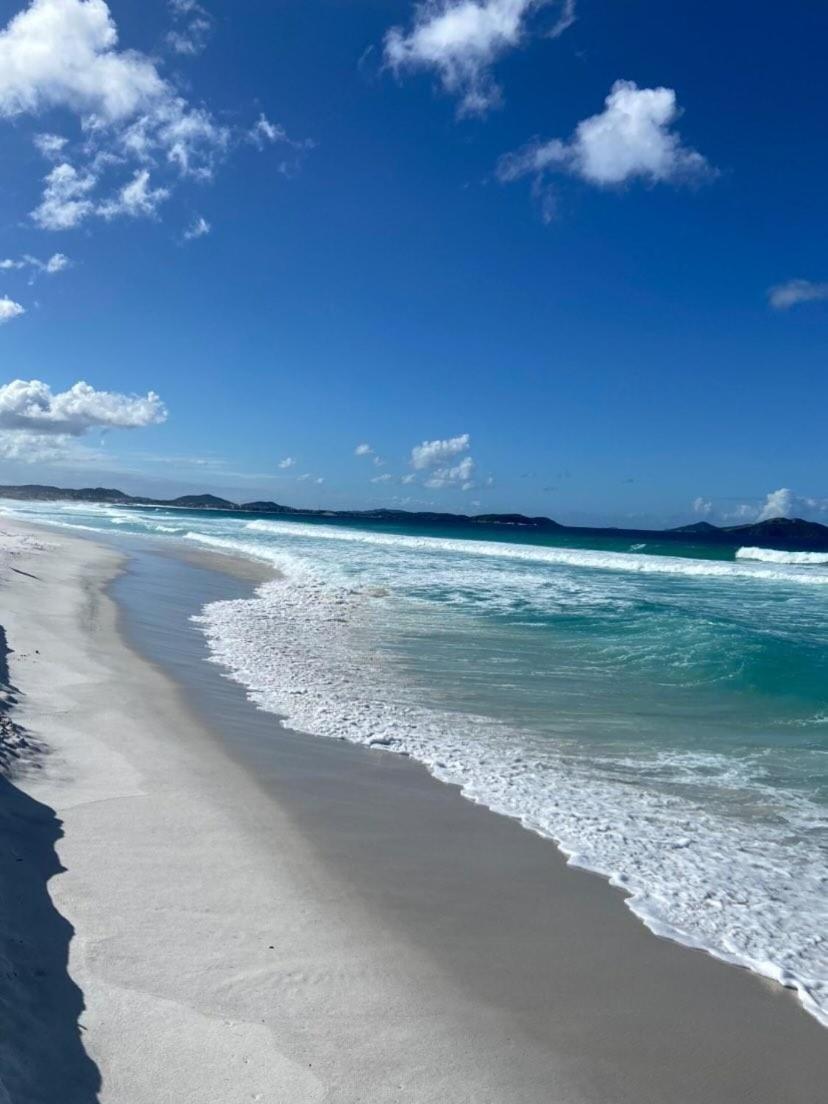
column 193, row 25
column 787, row 295
column 287, row 462
column 368, row 451
column 462, row 39
column 137, row 199
column 632, row 138
column 198, row 228
column 34, row 266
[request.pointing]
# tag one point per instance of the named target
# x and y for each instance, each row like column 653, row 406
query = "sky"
column 563, row 257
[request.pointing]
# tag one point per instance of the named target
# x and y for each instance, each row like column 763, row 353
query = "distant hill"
column 791, row 534
column 696, row 527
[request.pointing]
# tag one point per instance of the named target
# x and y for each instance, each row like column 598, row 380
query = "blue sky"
column 305, row 231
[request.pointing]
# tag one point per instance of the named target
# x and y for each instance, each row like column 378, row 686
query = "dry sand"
column 323, row 924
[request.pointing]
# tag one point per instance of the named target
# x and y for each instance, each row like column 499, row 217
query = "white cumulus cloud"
column 632, row 138
column 789, row 504
column 462, row 39
column 9, row 310
column 363, row 450
column 436, row 458
column 31, row 405
column 288, row 462
column 784, row 296
column 429, row 454
column 63, row 53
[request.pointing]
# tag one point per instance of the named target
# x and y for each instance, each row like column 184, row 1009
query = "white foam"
column 568, row 557
column 770, row 555
column 306, row 649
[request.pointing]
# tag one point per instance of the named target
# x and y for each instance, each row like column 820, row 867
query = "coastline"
column 341, row 924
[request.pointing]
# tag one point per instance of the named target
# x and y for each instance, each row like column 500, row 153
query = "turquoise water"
column 660, row 711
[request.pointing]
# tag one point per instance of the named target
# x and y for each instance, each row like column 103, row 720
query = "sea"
column 660, row 711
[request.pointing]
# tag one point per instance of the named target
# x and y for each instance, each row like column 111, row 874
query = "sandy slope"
column 216, row 959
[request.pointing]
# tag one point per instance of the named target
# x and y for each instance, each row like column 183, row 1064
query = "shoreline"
column 507, row 975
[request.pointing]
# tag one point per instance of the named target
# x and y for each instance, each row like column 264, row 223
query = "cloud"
column 307, row 477
column 135, row 199
column 386, row 478
column 65, row 201
column 50, row 146
column 632, row 138
column 288, row 462
column 435, row 458
column 462, row 39
column 9, row 310
column 34, row 448
column 263, row 131
column 58, row 262
column 31, row 406
column 193, row 26
column 787, row 295
column 367, row 450
column 789, row 504
column 198, row 228
column 431, row 453
column 454, row 475
column 64, row 55
column 780, row 503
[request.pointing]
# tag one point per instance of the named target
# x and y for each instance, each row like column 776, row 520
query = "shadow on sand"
column 42, row 1057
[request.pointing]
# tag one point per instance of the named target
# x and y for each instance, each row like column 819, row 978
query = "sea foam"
column 770, row 555
column 631, row 562
column 306, row 648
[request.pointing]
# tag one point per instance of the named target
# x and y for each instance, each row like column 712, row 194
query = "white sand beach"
column 341, row 928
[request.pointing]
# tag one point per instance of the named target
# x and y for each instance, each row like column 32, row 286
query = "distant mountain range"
column 792, row 534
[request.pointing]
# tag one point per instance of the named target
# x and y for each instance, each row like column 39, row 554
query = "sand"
column 201, row 908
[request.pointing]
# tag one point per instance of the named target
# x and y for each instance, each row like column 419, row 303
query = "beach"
column 208, row 907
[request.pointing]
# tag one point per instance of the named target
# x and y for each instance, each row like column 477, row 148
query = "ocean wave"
column 306, row 650
column 626, row 562
column 770, row 555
